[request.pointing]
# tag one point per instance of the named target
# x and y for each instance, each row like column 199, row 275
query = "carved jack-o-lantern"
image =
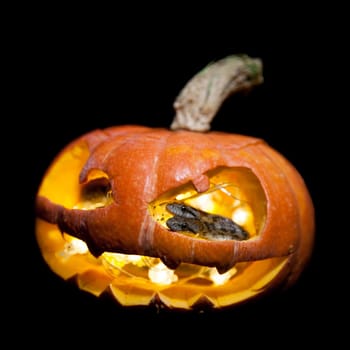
column 181, row 218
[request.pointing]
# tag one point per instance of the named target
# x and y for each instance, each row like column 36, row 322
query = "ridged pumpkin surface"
column 144, row 168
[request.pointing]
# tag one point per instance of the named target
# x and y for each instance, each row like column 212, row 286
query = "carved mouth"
column 135, row 280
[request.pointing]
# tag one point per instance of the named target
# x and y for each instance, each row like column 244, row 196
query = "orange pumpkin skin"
column 142, row 164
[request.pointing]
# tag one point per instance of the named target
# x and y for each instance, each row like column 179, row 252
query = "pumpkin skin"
column 145, row 167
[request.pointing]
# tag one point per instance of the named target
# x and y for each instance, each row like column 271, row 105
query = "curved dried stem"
column 201, row 98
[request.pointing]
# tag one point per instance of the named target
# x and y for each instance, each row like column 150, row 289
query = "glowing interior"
column 135, row 280
column 234, row 193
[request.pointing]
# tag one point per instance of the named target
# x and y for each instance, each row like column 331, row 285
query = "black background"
column 70, row 78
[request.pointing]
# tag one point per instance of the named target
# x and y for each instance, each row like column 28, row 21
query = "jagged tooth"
column 202, row 303
column 170, row 264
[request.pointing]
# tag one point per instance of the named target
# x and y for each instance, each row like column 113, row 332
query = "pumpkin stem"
column 202, row 96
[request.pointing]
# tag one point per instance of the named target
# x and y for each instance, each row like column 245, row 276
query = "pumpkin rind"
column 142, row 164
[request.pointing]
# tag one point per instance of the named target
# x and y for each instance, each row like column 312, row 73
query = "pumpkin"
column 182, row 217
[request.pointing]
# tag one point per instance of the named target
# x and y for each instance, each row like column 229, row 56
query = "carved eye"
column 234, row 194
column 96, row 192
